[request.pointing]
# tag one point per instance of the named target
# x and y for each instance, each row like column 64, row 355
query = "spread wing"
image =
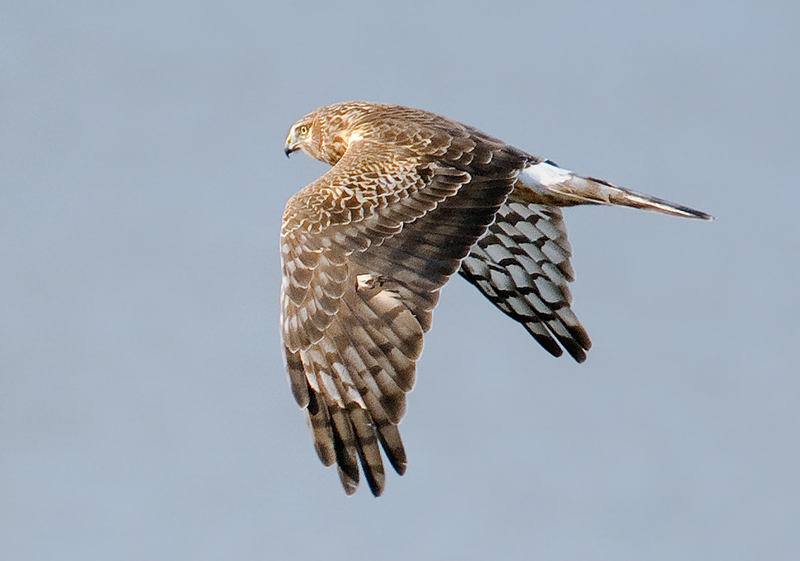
column 522, row 266
column 366, row 249
column 522, row 263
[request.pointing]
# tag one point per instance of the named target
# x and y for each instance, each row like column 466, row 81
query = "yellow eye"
column 303, row 130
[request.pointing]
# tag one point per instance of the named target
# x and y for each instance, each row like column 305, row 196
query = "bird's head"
column 301, row 137
column 326, row 133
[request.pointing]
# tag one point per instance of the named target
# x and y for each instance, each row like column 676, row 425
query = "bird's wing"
column 365, row 250
column 522, row 262
column 522, row 266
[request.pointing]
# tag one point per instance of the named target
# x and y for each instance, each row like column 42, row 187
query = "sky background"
column 144, row 411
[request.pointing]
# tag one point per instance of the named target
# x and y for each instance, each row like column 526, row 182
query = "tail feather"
column 550, row 184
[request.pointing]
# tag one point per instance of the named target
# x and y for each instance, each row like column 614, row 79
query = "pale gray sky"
column 144, row 412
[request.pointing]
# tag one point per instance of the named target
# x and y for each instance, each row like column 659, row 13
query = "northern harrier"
column 412, row 198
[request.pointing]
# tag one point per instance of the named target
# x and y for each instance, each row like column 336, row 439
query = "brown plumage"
column 412, row 198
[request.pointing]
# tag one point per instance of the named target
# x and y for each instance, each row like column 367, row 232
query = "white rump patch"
column 542, row 175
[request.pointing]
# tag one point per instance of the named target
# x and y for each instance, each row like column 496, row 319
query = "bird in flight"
column 413, row 197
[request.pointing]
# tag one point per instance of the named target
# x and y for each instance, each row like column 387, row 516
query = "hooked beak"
column 291, row 144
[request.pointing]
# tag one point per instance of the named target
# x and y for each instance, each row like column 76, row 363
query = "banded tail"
column 556, row 186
